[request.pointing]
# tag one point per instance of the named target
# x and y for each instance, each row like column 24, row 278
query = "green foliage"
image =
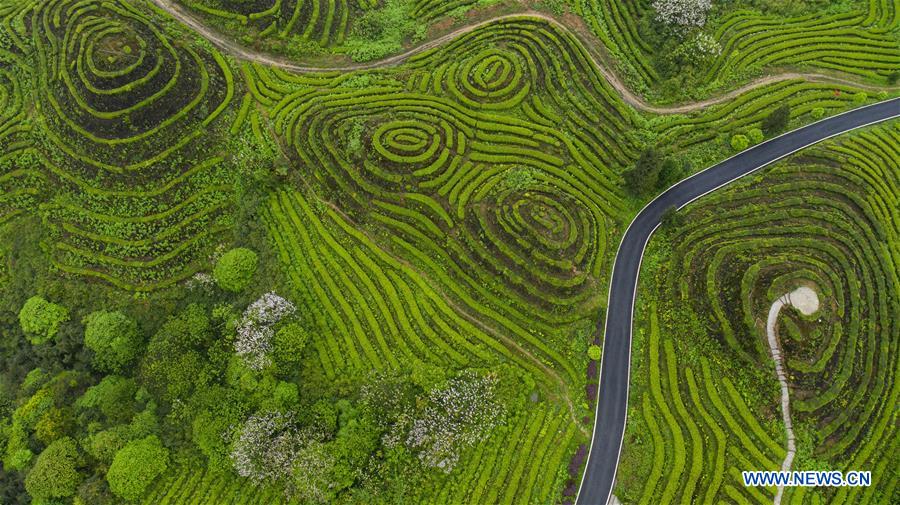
column 594, row 352
column 777, row 120
column 174, row 364
column 381, row 31
column 817, row 113
column 286, row 395
column 755, row 135
column 114, row 397
column 457, row 211
column 288, row 345
column 643, row 177
column 234, row 270
column 55, row 472
column 860, row 97
column 114, row 338
column 40, row 319
column 218, row 410
column 672, row 219
column 135, row 467
column 739, row 142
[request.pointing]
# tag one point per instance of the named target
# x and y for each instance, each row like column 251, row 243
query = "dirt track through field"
column 589, row 42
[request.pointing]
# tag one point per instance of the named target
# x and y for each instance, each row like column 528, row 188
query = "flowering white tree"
column 267, row 446
column 698, row 49
column 682, row 14
column 312, row 472
column 256, row 329
column 457, row 416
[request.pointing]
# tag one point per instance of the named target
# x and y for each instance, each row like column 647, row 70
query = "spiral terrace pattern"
column 323, row 22
column 482, row 193
column 121, row 110
column 455, row 209
column 828, row 217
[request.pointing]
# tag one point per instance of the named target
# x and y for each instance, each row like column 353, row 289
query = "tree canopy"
column 55, row 474
column 644, row 176
column 235, row 269
column 41, row 319
column 114, row 338
column 135, row 466
column 777, row 120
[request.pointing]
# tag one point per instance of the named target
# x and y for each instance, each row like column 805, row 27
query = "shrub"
column 739, row 142
column 135, row 466
column 756, row 135
column 671, row 218
column 777, row 120
column 817, row 113
column 594, row 352
column 860, row 98
column 40, row 319
column 113, row 337
column 893, row 77
column 55, row 473
column 235, row 269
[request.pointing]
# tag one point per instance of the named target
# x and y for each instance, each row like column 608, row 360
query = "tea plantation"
column 224, row 280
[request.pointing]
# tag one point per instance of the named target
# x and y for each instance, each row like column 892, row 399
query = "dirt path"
column 587, row 40
column 807, row 302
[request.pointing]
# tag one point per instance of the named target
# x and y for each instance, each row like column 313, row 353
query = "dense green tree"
column 644, row 176
column 173, row 364
column 55, row 472
column 40, row 319
column 235, row 269
column 288, row 345
column 777, row 120
column 218, row 409
column 113, row 397
column 54, row 423
column 114, row 338
column 672, row 171
column 135, row 466
column 95, row 491
column 286, row 395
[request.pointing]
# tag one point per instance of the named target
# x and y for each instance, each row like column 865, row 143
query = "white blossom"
column 200, row 279
column 267, row 446
column 682, row 13
column 457, row 416
column 256, row 329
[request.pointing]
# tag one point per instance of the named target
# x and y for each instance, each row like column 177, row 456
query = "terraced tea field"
column 419, row 249
column 853, row 39
column 825, row 218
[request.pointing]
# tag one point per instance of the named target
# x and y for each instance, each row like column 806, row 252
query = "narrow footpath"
column 806, row 301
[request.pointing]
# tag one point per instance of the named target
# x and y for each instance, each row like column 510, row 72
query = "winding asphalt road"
column 606, row 443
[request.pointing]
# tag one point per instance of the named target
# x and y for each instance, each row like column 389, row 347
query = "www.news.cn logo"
column 807, row 479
